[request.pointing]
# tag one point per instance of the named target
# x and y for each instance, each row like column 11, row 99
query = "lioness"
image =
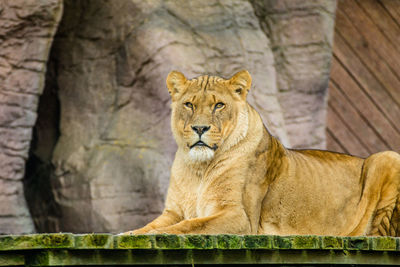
column 230, row 175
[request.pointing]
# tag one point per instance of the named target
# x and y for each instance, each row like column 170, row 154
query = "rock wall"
column 301, row 35
column 115, row 148
column 26, row 33
column 102, row 145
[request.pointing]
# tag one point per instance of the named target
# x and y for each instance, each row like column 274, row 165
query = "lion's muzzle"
column 200, row 129
column 201, row 143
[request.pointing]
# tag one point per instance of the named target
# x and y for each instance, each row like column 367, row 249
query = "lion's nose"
column 200, row 129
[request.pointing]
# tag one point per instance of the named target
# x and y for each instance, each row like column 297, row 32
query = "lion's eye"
column 189, row 105
column 219, row 105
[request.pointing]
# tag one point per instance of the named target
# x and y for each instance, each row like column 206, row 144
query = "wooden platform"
column 364, row 102
column 189, row 250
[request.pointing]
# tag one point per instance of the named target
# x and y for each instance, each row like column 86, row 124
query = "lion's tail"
column 395, row 220
column 390, row 215
column 384, row 173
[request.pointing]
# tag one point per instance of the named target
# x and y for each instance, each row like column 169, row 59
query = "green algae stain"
column 40, row 258
column 305, row 242
column 229, row 241
column 36, row 241
column 12, row 258
column 134, row 241
column 331, row 242
column 357, row 243
column 258, row 242
column 168, row 242
column 282, row 242
column 296, row 242
column 198, row 241
column 93, row 241
column 383, row 243
column 55, row 240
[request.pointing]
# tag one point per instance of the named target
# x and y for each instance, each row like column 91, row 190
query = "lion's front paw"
column 158, row 232
column 141, row 231
column 127, row 233
column 165, row 231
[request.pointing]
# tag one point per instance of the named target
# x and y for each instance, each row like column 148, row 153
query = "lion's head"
column 208, row 113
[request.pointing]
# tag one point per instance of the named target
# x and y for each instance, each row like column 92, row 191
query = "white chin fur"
column 201, row 153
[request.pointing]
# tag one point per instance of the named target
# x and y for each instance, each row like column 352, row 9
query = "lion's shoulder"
column 325, row 155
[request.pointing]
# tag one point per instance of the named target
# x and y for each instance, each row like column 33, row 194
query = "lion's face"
column 206, row 112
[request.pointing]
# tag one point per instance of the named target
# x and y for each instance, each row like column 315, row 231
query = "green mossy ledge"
column 65, row 249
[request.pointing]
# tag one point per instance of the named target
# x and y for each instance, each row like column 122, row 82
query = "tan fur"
column 246, row 182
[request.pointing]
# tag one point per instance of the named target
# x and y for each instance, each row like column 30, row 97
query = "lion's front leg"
column 167, row 218
column 229, row 221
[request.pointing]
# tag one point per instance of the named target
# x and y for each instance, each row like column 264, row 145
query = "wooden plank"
column 364, row 105
column 332, row 144
column 393, row 8
column 368, row 82
column 342, row 133
column 369, row 56
column 375, row 37
column 355, row 121
column 382, row 19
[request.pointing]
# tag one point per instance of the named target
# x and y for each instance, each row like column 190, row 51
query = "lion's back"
column 318, row 186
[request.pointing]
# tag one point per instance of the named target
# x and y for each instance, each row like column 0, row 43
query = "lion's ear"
column 175, row 82
column 241, row 83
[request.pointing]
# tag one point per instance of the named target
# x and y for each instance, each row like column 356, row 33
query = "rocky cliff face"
column 26, row 33
column 301, row 35
column 102, row 145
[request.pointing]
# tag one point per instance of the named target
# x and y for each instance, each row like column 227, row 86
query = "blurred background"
column 85, row 138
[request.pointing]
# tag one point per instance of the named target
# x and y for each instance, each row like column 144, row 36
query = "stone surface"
column 301, row 36
column 26, row 33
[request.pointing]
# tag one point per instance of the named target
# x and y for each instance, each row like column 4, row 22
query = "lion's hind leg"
column 385, row 218
column 378, row 211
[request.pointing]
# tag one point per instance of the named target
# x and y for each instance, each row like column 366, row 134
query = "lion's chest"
column 194, row 203
column 194, row 190
column 189, row 207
